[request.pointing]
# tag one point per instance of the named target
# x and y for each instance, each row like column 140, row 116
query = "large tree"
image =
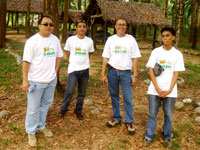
column 2, row 23
column 193, row 19
column 165, row 8
column 180, row 21
column 55, row 15
column 65, row 20
column 196, row 28
column 28, row 27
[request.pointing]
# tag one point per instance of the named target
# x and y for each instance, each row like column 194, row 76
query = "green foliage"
column 10, row 72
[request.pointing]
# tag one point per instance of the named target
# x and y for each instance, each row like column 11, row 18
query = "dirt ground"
column 91, row 133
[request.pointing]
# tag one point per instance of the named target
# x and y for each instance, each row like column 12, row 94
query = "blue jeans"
column 124, row 78
column 39, row 101
column 154, row 105
column 80, row 77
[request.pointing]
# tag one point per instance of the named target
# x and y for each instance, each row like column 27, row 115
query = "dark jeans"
column 80, row 77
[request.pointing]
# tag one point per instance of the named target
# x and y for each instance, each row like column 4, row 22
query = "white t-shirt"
column 120, row 51
column 41, row 53
column 172, row 61
column 79, row 53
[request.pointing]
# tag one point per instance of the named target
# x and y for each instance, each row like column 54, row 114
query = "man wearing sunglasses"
column 78, row 49
column 41, row 61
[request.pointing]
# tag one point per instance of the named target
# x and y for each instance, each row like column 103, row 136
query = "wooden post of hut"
column 154, row 37
column 106, row 31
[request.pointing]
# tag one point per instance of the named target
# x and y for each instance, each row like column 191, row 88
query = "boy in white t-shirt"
column 41, row 61
column 78, row 50
column 163, row 88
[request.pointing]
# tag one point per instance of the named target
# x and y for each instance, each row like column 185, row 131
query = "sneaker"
column 112, row 123
column 61, row 113
column 79, row 116
column 47, row 132
column 32, row 141
column 169, row 143
column 131, row 129
column 146, row 142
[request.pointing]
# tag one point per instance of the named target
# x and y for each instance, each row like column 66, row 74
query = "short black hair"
column 121, row 19
column 170, row 29
column 46, row 16
column 80, row 21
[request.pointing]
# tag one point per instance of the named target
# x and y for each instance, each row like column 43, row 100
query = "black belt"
column 111, row 67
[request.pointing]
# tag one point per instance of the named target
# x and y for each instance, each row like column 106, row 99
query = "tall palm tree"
column 28, row 28
column 2, row 23
column 65, row 20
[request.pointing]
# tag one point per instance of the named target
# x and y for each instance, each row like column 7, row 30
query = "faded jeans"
column 154, row 105
column 39, row 101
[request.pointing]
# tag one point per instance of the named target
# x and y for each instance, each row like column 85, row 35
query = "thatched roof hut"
column 20, row 6
column 134, row 12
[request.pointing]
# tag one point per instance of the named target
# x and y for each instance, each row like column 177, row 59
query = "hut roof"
column 21, row 6
column 76, row 15
column 134, row 12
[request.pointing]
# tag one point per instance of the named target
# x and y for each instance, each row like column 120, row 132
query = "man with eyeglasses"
column 41, row 61
column 121, row 55
column 78, row 50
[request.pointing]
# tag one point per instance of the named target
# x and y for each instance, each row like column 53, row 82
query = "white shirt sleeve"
column 67, row 45
column 152, row 60
column 59, row 52
column 28, row 52
column 106, row 51
column 91, row 49
column 135, row 50
column 179, row 65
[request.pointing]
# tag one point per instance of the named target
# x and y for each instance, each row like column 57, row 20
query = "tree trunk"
column 2, row 23
column 65, row 21
column 47, row 7
column 85, row 4
column 180, row 22
column 165, row 8
column 196, row 28
column 193, row 17
column 55, row 17
column 79, row 4
column 28, row 28
column 175, row 14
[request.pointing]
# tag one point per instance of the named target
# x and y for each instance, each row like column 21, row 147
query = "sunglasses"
column 46, row 24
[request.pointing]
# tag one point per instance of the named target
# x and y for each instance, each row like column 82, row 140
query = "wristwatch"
column 135, row 76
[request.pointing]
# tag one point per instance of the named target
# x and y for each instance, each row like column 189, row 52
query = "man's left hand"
column 134, row 80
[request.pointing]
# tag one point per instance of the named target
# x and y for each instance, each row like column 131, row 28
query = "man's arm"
column 153, row 79
column 135, row 70
column 103, row 73
column 174, row 79
column 58, row 61
column 25, row 68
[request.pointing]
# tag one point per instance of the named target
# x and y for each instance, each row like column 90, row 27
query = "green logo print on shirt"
column 166, row 64
column 79, row 51
column 50, row 52
column 119, row 50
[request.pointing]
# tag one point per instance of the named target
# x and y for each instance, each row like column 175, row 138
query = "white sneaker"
column 47, row 132
column 32, row 141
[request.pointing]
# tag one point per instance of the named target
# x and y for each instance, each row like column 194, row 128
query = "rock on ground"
column 179, row 105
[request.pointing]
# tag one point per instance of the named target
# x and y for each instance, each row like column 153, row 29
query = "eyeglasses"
column 121, row 25
column 46, row 24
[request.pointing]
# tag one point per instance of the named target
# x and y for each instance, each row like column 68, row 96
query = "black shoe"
column 79, row 116
column 61, row 113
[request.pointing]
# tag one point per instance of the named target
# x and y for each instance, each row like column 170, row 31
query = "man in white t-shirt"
column 78, row 50
column 163, row 88
column 41, row 61
column 120, row 55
